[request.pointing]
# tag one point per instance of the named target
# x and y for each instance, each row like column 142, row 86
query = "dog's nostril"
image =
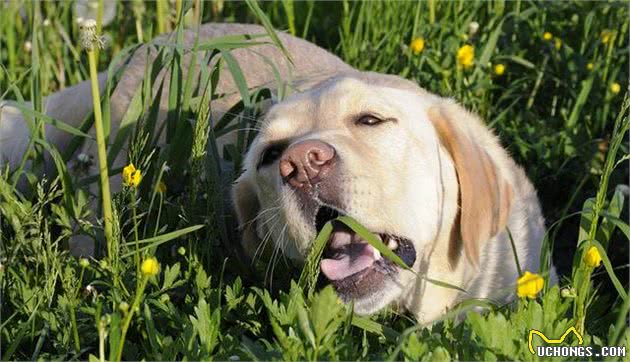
column 320, row 156
column 287, row 168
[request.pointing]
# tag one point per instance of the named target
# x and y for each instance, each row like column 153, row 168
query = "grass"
column 554, row 109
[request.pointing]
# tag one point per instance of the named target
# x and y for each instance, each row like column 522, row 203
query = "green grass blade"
column 161, row 239
column 373, row 240
column 610, row 270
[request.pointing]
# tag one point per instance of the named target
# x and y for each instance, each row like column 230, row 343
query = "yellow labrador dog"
column 418, row 170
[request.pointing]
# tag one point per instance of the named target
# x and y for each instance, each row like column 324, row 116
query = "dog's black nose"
column 306, row 163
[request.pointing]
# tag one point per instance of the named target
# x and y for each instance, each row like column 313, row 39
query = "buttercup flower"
column 417, row 46
column 606, row 35
column 592, row 257
column 529, row 285
column 547, row 36
column 499, row 69
column 558, row 43
column 131, row 176
column 150, row 267
column 615, row 88
column 466, row 56
column 589, row 66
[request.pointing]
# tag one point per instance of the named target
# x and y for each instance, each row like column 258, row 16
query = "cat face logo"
column 552, row 341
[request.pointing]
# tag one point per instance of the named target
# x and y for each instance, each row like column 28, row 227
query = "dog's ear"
column 247, row 207
column 485, row 195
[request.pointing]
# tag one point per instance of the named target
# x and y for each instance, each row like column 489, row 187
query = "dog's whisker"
column 267, row 236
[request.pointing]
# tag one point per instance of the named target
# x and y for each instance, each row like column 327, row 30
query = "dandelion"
column 150, row 267
column 590, row 66
column 46, row 22
column 161, row 187
column 558, row 43
column 181, row 250
column 529, row 285
column 84, row 263
column 466, row 56
column 417, row 46
column 131, row 176
column 547, row 36
column 499, row 69
column 28, row 46
column 592, row 257
column 89, row 38
column 606, row 35
column 615, row 88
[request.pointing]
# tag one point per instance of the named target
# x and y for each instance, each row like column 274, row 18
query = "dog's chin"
column 378, row 291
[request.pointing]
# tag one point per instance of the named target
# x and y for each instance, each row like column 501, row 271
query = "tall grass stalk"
column 129, row 316
column 583, row 274
column 90, row 41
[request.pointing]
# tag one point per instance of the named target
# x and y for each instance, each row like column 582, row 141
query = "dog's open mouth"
column 352, row 265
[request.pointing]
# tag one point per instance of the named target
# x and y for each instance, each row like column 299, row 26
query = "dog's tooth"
column 393, row 244
column 376, row 253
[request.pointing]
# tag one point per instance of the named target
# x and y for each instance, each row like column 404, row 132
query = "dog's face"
column 366, row 149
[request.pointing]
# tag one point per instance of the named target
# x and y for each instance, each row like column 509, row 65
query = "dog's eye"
column 271, row 154
column 369, row 120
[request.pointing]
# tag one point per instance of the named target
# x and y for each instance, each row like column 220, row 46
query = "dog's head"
column 379, row 149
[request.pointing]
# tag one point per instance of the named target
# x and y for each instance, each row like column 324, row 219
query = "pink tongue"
column 354, row 257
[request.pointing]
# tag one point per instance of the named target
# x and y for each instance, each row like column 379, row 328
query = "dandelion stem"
column 75, row 331
column 102, row 154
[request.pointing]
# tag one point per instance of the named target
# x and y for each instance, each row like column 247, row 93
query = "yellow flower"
column 529, row 285
column 417, row 46
column 592, row 257
column 558, row 43
column 547, row 35
column 150, row 267
column 606, row 35
column 131, row 176
column 589, row 66
column 161, row 187
column 615, row 88
column 499, row 69
column 466, row 56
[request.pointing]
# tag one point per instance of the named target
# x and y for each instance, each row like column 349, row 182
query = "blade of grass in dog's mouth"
column 311, row 270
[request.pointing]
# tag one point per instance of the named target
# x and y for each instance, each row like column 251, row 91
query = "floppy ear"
column 247, row 207
column 485, row 195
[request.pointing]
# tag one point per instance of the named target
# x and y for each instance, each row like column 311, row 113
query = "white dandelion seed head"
column 473, row 27
column 28, row 46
